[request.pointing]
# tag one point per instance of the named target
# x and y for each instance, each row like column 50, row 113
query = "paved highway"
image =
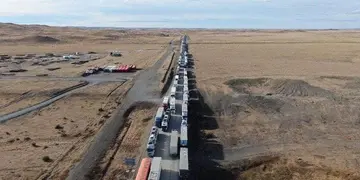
column 170, row 165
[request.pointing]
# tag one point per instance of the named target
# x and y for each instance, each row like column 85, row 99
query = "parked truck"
column 155, row 169
column 166, row 102
column 183, row 136
column 165, row 123
column 185, row 97
column 159, row 116
column 186, row 88
column 173, row 91
column 184, row 112
column 174, row 142
column 172, row 104
column 184, row 163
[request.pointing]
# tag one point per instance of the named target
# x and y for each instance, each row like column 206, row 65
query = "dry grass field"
column 130, row 143
column 48, row 142
column 285, row 102
column 139, row 47
column 18, row 94
column 64, row 126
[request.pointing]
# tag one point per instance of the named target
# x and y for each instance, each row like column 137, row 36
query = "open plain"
column 278, row 104
column 274, row 104
column 48, row 142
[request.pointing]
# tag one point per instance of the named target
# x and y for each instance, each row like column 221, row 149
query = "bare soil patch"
column 60, row 131
column 130, row 143
column 269, row 94
column 18, row 94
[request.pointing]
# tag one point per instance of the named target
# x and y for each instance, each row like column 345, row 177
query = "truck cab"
column 150, row 152
column 165, row 123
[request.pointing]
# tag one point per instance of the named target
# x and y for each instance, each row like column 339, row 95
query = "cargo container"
column 166, row 102
column 176, row 83
column 159, row 116
column 174, row 143
column 186, row 88
column 183, row 136
column 172, row 104
column 155, row 169
column 173, row 91
column 185, row 97
column 184, row 163
column 144, row 169
column 184, row 112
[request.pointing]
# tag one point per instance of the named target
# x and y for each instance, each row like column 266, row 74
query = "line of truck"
column 150, row 167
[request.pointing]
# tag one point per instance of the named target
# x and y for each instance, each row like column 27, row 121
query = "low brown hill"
column 39, row 39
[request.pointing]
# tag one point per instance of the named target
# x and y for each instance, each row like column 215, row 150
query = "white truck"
column 166, row 102
column 155, row 169
column 183, row 136
column 150, row 147
column 184, row 163
column 184, row 112
column 174, row 142
column 186, row 88
column 173, row 91
column 172, row 104
column 165, row 123
column 185, row 97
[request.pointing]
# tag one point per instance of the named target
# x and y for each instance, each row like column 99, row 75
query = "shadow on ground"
column 204, row 150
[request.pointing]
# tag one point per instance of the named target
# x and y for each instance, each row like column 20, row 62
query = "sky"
column 256, row 14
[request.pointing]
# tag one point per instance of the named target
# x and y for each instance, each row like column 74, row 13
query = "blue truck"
column 159, row 116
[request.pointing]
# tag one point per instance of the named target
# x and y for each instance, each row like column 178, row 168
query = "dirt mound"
column 39, row 39
column 290, row 87
column 284, row 169
column 287, row 87
column 241, row 85
column 138, row 106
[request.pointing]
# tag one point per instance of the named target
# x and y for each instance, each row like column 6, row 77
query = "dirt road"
column 145, row 88
column 40, row 105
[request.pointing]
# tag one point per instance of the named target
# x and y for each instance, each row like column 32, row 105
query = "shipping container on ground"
column 144, row 169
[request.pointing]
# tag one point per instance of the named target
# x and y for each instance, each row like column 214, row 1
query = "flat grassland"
column 48, row 142
column 16, row 94
column 283, row 104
